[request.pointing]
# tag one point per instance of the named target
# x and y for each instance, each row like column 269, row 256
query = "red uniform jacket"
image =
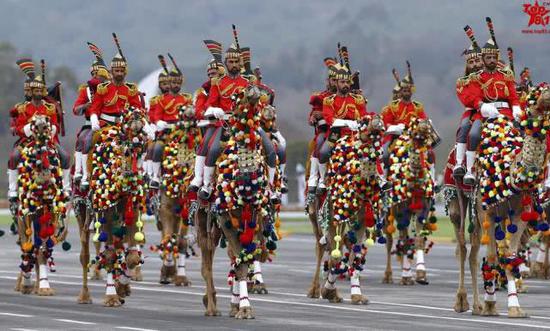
column 316, row 102
column 221, row 91
column 201, row 96
column 114, row 99
column 26, row 110
column 166, row 107
column 491, row 87
column 463, row 89
column 401, row 112
column 349, row 107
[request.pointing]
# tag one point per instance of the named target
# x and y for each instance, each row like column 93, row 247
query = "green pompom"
column 66, row 246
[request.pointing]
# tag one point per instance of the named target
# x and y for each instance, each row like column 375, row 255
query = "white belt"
column 110, row 118
column 171, row 126
column 206, row 122
column 321, row 122
column 500, row 104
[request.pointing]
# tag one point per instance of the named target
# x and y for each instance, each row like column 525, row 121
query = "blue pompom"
column 102, row 220
column 499, row 234
column 381, row 240
column 102, row 236
column 543, row 227
column 512, row 228
column 356, row 248
column 50, row 243
column 498, row 219
column 539, row 209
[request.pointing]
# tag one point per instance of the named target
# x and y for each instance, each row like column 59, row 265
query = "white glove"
column 338, row 123
column 161, row 125
column 280, row 139
column 516, row 110
column 54, row 130
column 148, row 129
column 215, row 112
column 353, row 125
column 489, row 110
column 94, row 121
column 27, row 130
column 396, row 129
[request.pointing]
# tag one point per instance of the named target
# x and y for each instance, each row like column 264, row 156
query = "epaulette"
column 462, row 81
column 359, row 99
column 508, row 74
column 316, row 94
column 102, row 88
column 132, row 89
column 186, row 95
column 329, row 100
column 154, row 100
column 475, row 76
column 417, row 104
column 82, row 87
column 21, row 107
column 199, row 91
column 50, row 107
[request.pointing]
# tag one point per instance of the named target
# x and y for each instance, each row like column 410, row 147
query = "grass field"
column 301, row 225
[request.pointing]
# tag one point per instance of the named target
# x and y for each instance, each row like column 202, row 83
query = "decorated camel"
column 116, row 203
column 349, row 211
column 511, row 167
column 239, row 206
column 175, row 200
column 410, row 201
column 41, row 212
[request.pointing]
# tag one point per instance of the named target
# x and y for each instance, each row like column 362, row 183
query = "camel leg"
column 329, row 290
column 475, row 244
column 111, row 298
column 44, row 288
column 315, row 288
column 24, row 280
column 207, row 259
column 235, row 298
column 84, row 296
column 461, row 301
column 420, row 246
column 406, row 269
column 245, row 308
column 181, row 278
column 514, row 309
column 259, row 285
column 96, row 275
column 356, row 260
column 388, row 274
column 489, row 307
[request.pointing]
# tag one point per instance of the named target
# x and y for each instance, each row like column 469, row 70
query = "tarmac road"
column 165, row 307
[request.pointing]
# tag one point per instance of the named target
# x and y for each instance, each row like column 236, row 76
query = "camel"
column 348, row 212
column 410, row 201
column 174, row 200
column 508, row 209
column 116, row 201
column 237, row 208
column 459, row 207
column 41, row 212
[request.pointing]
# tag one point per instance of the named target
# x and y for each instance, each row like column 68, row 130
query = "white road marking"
column 15, row 315
column 73, row 321
column 131, row 328
column 21, row 329
column 306, row 304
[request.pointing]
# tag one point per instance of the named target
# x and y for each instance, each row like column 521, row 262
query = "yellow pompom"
column 139, row 236
column 336, row 254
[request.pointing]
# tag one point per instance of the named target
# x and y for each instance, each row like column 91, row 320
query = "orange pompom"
column 485, row 239
column 390, row 229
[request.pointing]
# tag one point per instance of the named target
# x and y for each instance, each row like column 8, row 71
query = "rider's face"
column 212, row 73
column 175, row 84
column 343, row 86
column 164, row 86
column 118, row 74
column 490, row 61
column 332, row 82
column 406, row 93
column 474, row 64
column 233, row 65
column 37, row 93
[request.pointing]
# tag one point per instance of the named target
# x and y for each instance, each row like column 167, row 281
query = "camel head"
column 134, row 121
column 370, row 125
column 41, row 127
column 423, row 133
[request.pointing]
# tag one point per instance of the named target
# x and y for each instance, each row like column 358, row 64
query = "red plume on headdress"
column 27, row 67
column 329, row 62
column 215, row 48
